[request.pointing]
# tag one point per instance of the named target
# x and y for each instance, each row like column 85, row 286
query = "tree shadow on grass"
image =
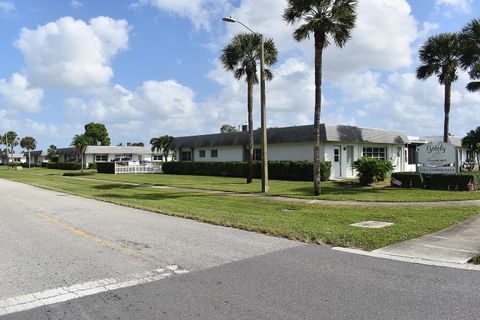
column 153, row 196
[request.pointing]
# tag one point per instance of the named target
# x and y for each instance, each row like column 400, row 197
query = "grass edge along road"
column 311, row 223
column 336, row 191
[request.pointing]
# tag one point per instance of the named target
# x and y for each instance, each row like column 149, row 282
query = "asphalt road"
column 50, row 240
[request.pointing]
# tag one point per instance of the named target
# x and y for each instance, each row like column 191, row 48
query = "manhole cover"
column 372, row 224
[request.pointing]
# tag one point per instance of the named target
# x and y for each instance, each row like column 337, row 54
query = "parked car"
column 122, row 159
column 146, row 163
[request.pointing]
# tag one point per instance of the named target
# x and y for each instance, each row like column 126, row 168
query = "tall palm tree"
column 240, row 56
column 470, row 53
column 28, row 143
column 80, row 142
column 440, row 56
column 162, row 144
column 327, row 21
column 11, row 140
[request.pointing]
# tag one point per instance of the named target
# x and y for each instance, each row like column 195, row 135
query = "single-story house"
column 38, row 157
column 106, row 154
column 16, row 157
column 341, row 145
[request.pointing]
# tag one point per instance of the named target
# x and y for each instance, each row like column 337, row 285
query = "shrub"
column 106, row 167
column 371, row 170
column 44, row 164
column 92, row 165
column 476, row 178
column 277, row 170
column 454, row 182
column 475, row 260
column 65, row 166
column 408, row 179
column 78, row 174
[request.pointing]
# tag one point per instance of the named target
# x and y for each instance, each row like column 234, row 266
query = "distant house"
column 341, row 145
column 4, row 158
column 38, row 157
column 106, row 154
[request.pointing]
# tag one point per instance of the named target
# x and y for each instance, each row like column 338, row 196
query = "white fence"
column 134, row 169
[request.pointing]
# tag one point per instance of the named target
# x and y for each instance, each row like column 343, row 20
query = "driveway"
column 66, row 257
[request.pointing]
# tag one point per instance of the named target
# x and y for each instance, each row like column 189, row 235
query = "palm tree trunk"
column 250, row 131
column 319, row 44
column 29, row 161
column 448, row 94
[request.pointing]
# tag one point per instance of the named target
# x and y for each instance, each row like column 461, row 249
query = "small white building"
column 106, row 154
column 341, row 145
column 10, row 158
column 38, row 157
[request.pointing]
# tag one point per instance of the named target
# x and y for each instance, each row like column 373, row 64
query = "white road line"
column 48, row 297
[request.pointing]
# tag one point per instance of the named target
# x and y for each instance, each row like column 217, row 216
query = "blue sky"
column 150, row 67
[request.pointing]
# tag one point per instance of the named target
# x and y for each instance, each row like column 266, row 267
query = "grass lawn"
column 310, row 223
column 331, row 190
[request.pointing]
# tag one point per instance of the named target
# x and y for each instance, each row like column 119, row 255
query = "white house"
column 13, row 158
column 106, row 154
column 341, row 145
column 38, row 157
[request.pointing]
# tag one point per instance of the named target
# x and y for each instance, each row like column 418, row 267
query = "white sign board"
column 437, row 170
column 437, row 154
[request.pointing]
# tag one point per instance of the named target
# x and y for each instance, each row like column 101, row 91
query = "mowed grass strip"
column 311, row 223
column 296, row 189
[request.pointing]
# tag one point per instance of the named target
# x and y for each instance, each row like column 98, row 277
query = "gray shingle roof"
column 38, row 153
column 328, row 133
column 456, row 141
column 117, row 150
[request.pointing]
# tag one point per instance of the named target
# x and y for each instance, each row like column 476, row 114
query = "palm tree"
column 470, row 53
column 11, row 140
column 29, row 144
column 327, row 20
column 162, row 144
column 80, row 142
column 440, row 56
column 240, row 56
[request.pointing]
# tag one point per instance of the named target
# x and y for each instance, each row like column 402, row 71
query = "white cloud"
column 72, row 54
column 7, row 6
column 76, row 4
column 200, row 12
column 18, row 95
column 451, row 7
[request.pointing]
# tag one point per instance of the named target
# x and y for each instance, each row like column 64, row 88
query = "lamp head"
column 229, row 19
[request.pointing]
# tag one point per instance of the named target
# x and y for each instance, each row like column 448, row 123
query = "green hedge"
column 65, row 166
column 408, row 179
column 106, row 167
column 452, row 182
column 277, row 170
column 92, row 166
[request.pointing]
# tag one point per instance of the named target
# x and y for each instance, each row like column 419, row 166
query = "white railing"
column 134, row 169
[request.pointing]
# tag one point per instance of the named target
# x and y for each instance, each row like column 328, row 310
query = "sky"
column 147, row 68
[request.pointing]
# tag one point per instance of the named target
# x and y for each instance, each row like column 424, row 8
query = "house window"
column 336, row 155
column 214, row 153
column 157, row 157
column 412, row 154
column 202, row 154
column 375, row 153
column 101, row 158
column 257, row 155
column 186, row 156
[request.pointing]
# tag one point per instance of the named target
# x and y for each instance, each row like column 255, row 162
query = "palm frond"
column 473, row 86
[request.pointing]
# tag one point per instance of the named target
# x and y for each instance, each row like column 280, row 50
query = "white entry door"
column 337, row 161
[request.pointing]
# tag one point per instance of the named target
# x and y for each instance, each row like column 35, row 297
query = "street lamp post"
column 263, row 105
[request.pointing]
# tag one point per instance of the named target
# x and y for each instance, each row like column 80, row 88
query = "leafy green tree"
column 162, row 144
column 28, row 143
column 52, row 153
column 227, row 128
column 440, row 56
column 471, row 142
column 96, row 132
column 327, row 21
column 240, row 56
column 470, row 53
column 80, row 142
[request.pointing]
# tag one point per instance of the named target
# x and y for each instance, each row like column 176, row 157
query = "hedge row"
column 65, row 165
column 277, row 170
column 106, row 167
column 454, row 182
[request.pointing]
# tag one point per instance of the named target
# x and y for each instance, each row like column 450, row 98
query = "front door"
column 337, row 161
column 349, row 169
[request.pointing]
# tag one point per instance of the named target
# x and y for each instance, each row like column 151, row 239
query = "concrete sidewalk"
column 457, row 244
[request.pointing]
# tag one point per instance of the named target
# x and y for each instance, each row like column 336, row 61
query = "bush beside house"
column 64, row 165
column 453, row 182
column 277, row 170
column 371, row 170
